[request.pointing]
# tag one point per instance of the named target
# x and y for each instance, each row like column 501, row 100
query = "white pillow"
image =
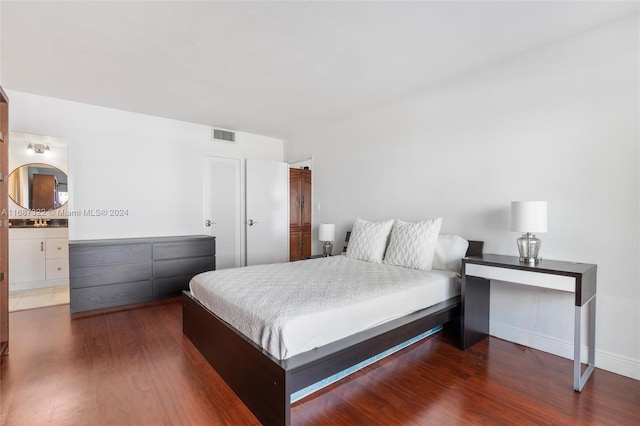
column 369, row 240
column 450, row 249
column 412, row 245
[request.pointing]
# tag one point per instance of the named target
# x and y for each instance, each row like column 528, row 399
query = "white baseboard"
column 605, row 360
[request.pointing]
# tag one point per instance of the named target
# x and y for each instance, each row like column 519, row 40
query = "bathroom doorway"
column 38, row 222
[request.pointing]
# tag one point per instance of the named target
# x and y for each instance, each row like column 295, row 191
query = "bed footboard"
column 259, row 381
column 265, row 384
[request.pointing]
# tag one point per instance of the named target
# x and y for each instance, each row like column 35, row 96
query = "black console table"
column 577, row 278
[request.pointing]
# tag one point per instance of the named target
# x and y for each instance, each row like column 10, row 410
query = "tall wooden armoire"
column 4, row 224
column 299, row 214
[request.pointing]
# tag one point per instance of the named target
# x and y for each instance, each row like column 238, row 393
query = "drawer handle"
column 41, row 245
column 59, row 248
column 59, row 268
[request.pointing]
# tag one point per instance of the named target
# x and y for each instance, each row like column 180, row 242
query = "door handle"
column 208, row 223
column 251, row 222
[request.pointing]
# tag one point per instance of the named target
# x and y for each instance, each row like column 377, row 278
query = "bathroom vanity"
column 38, row 257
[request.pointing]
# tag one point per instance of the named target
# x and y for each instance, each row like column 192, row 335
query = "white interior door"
column 267, row 227
column 222, row 203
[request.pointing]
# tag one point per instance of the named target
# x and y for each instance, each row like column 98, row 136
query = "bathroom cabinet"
column 38, row 257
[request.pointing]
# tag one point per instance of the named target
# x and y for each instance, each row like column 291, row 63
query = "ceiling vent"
column 223, row 135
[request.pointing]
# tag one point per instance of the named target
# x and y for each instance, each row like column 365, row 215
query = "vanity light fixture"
column 38, row 149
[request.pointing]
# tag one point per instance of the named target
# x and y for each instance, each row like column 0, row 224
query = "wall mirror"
column 38, row 186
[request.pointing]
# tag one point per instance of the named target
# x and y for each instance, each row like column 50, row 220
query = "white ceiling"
column 270, row 68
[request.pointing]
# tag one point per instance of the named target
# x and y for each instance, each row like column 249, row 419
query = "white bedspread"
column 290, row 308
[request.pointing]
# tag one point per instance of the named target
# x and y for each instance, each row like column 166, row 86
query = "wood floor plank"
column 136, row 367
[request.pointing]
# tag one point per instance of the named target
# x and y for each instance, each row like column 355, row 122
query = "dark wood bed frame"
column 265, row 384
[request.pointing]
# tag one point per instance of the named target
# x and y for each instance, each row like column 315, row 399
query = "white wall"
column 149, row 167
column 558, row 123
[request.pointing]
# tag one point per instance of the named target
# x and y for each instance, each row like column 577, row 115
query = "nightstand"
column 576, row 278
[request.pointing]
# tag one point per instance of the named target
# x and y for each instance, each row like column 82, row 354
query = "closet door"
column 267, row 211
column 222, row 203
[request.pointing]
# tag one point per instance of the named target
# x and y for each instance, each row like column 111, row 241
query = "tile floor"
column 38, row 298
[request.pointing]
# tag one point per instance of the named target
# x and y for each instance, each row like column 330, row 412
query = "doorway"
column 38, row 222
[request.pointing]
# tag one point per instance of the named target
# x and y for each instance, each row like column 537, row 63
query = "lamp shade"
column 327, row 232
column 529, row 216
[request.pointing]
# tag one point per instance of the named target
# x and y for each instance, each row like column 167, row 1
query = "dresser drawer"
column 187, row 266
column 57, row 248
column 84, row 255
column 86, row 299
column 110, row 274
column 57, row 269
column 194, row 247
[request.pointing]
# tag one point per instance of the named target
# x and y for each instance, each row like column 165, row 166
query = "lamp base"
column 529, row 248
column 327, row 248
column 530, row 260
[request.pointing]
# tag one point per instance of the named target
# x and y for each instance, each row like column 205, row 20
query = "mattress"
column 291, row 308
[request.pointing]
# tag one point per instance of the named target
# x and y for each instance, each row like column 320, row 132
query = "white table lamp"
column 529, row 217
column 327, row 234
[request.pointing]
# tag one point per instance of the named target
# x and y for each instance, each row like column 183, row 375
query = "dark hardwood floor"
column 135, row 368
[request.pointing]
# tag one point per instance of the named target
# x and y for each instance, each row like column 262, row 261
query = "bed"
column 263, row 370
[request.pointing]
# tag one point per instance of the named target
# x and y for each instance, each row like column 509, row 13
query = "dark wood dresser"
column 117, row 272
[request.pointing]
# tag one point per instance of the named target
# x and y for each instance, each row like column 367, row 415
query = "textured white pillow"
column 412, row 245
column 450, row 249
column 369, row 240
